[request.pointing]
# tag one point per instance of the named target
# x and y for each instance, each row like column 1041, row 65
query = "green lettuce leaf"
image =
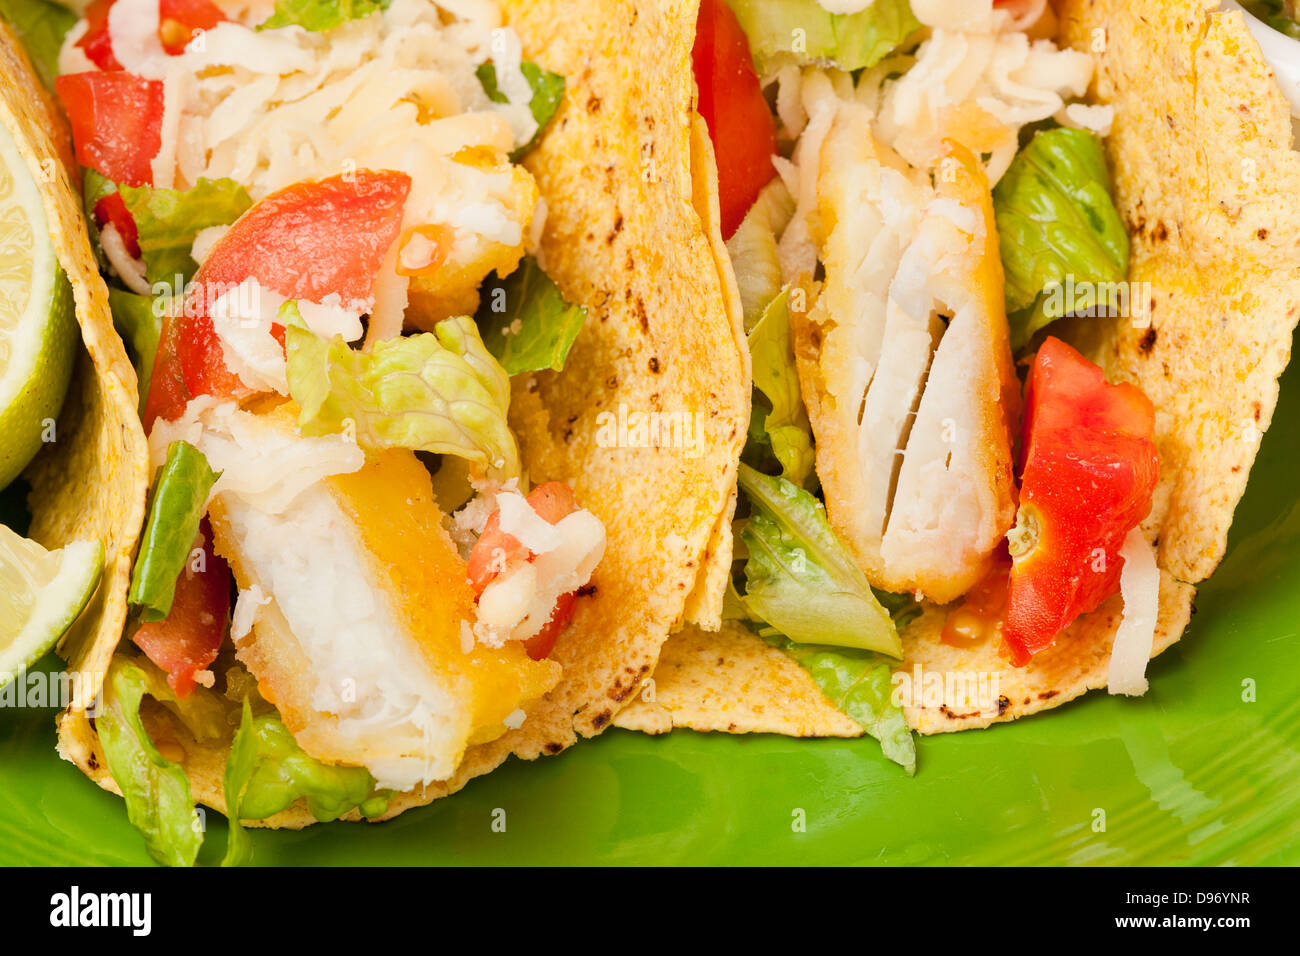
column 139, row 323
column 785, row 422
column 179, row 495
column 849, row 41
column 167, row 221
column 439, row 391
column 1274, row 14
column 239, row 770
column 525, row 321
column 860, row 685
column 753, row 250
column 40, row 27
column 203, row 712
column 548, row 91
column 320, row 15
column 267, row 772
column 800, row 579
column 1056, row 224
column 159, row 802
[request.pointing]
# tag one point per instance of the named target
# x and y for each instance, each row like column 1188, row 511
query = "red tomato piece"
column 540, row 645
column 95, row 42
column 179, row 19
column 732, row 104
column 1090, row 469
column 168, row 394
column 495, row 551
column 177, row 22
column 306, row 241
column 188, row 639
column 111, row 210
column 116, row 121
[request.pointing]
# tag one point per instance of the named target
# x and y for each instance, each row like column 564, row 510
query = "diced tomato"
column 306, row 241
column 1090, row 468
column 95, row 42
column 116, row 121
column 495, row 551
column 188, row 639
column 540, row 645
column 177, row 21
column 732, row 104
column 168, row 393
column 111, row 210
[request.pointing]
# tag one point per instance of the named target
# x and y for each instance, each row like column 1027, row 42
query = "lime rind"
column 38, row 335
column 72, row 574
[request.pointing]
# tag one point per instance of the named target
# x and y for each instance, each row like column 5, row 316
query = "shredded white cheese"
column 128, row 268
column 261, row 462
column 1139, row 584
column 247, row 605
column 518, row 604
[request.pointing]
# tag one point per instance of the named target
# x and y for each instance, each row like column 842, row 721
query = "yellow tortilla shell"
column 1209, row 186
column 89, row 484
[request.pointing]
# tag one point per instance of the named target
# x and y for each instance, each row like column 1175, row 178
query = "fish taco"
column 1018, row 280
column 392, row 274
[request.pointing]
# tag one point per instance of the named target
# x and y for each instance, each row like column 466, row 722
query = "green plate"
column 1191, row 773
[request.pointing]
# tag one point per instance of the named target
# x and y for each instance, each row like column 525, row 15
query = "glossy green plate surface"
column 1191, row 773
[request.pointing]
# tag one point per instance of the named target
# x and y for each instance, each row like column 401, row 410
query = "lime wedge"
column 41, row 594
column 38, row 326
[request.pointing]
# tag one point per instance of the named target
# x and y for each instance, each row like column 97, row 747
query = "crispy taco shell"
column 88, row 484
column 1206, row 180
column 632, row 236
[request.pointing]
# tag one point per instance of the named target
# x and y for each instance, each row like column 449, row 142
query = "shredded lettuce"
column 808, row 33
column 798, row 577
column 860, row 685
column 159, row 802
column 180, row 495
column 525, row 321
column 439, row 391
column 319, row 15
column 139, row 323
column 548, row 91
column 1058, row 230
column 267, row 772
column 753, row 250
column 40, row 27
column 167, row 220
column 785, row 423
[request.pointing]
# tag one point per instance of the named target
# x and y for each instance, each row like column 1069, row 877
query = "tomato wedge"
column 1089, row 470
column 732, row 104
column 306, row 241
column 116, row 121
column 177, row 22
column 188, row 639
column 495, row 550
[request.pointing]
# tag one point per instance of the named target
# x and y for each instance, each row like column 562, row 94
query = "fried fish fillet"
column 905, row 364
